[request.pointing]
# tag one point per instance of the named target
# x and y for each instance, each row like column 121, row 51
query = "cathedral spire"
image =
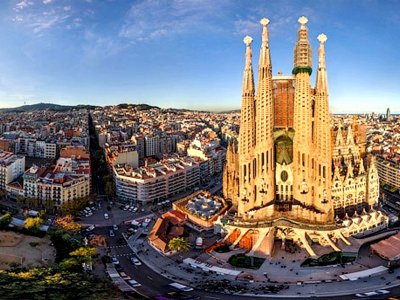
column 264, row 123
column 302, row 50
column 248, row 78
column 265, row 59
column 247, row 120
column 321, row 86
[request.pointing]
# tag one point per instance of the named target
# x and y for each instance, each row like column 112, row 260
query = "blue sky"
column 189, row 53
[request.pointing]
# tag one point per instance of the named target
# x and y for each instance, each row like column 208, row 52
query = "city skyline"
column 183, row 54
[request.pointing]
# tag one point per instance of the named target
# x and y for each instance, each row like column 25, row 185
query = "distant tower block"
column 388, row 117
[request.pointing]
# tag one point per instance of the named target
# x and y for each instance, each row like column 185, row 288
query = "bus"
column 180, row 287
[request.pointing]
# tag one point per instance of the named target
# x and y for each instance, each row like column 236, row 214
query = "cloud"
column 99, row 46
column 22, row 5
column 42, row 18
column 245, row 27
column 152, row 19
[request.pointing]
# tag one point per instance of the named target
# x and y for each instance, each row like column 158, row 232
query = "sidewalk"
column 178, row 271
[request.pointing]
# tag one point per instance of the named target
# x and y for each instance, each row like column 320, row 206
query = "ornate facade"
column 291, row 175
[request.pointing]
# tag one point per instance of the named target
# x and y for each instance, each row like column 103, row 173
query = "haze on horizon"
column 189, row 54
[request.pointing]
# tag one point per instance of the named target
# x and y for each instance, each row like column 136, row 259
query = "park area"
column 16, row 248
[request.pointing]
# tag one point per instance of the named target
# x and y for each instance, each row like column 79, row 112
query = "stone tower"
column 322, row 135
column 264, row 151
column 303, row 123
column 247, row 136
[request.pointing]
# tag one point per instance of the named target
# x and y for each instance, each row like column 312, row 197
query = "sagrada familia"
column 293, row 174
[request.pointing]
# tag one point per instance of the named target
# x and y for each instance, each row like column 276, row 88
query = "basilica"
column 294, row 174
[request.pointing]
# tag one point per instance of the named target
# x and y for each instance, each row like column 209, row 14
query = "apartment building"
column 156, row 182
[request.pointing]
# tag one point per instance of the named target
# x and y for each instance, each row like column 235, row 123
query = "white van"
column 180, row 287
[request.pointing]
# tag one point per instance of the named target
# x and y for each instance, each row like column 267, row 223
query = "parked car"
column 90, row 228
column 124, row 276
column 134, row 283
column 135, row 261
column 114, row 260
column 106, row 216
column 135, row 209
column 112, row 233
column 115, row 227
column 373, row 293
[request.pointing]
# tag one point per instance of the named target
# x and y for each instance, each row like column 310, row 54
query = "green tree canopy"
column 179, row 244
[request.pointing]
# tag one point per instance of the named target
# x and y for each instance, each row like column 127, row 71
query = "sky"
column 190, row 53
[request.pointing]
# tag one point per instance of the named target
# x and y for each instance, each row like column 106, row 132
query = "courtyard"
column 16, row 248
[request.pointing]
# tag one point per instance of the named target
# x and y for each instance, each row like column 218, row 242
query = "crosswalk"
column 120, row 246
column 123, row 254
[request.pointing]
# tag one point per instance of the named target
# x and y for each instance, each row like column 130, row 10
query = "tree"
column 109, row 189
column 179, row 244
column 5, row 220
column 20, row 199
column 3, row 193
column 64, row 243
column 84, row 254
column 31, row 202
column 67, row 223
column 71, row 263
column 33, row 223
column 53, row 283
column 74, row 207
column 84, row 251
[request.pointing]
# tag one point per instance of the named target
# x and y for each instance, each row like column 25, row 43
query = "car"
column 93, row 208
column 180, row 287
column 90, row 228
column 373, row 293
column 114, row 260
column 118, row 268
column 124, row 276
column 135, row 261
column 112, row 233
column 135, row 209
column 134, row 283
column 106, row 216
column 142, row 210
column 115, row 227
column 126, row 207
column 132, row 230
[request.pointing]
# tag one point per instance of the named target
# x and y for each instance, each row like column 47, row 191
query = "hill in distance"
column 61, row 108
column 44, row 106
